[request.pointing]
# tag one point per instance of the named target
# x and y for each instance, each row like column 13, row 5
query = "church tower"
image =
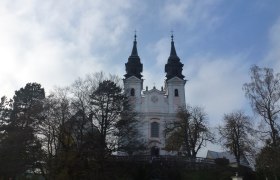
column 155, row 107
column 174, row 83
column 133, row 82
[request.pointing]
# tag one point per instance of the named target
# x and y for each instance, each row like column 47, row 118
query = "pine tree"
column 20, row 150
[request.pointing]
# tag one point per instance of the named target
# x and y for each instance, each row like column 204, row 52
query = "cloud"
column 273, row 56
column 191, row 13
column 215, row 83
column 162, row 50
column 54, row 42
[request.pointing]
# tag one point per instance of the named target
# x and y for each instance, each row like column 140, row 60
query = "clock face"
column 154, row 99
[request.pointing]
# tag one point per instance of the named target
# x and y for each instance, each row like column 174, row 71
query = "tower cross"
column 135, row 35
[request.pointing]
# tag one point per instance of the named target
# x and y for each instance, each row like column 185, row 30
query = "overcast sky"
column 54, row 42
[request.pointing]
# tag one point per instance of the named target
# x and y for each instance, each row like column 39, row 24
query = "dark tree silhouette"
column 267, row 161
column 107, row 116
column 20, row 147
column 235, row 134
column 57, row 112
column 189, row 132
column 264, row 93
column 129, row 138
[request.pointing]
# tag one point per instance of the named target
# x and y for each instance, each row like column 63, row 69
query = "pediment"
column 133, row 79
column 176, row 80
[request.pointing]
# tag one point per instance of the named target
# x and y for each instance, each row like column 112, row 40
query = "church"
column 155, row 107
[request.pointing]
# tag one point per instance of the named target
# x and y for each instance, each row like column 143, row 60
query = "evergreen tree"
column 20, row 149
column 267, row 161
column 107, row 104
column 129, row 137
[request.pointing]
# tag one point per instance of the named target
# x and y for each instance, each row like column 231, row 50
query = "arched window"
column 154, row 129
column 132, row 92
column 176, row 93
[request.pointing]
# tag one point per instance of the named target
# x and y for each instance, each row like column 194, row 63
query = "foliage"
column 20, row 148
column 189, row 133
column 106, row 103
column 115, row 121
column 235, row 134
column 267, row 162
column 84, row 124
column 28, row 106
column 129, row 137
column 5, row 113
column 5, row 109
column 20, row 151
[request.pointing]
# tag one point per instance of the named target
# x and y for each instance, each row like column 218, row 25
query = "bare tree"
column 85, row 123
column 89, row 96
column 235, row 134
column 189, row 133
column 81, row 90
column 264, row 94
column 107, row 101
column 57, row 113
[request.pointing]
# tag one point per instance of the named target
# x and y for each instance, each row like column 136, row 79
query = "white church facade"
column 155, row 107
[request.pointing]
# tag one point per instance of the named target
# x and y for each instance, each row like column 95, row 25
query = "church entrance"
column 155, row 151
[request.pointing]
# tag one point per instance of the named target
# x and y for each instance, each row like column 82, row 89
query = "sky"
column 56, row 41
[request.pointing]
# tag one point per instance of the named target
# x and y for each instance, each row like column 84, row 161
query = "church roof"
column 134, row 67
column 134, row 49
column 174, row 67
column 173, row 55
column 227, row 155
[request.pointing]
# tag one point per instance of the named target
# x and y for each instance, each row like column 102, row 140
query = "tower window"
column 176, row 93
column 154, row 129
column 132, row 92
